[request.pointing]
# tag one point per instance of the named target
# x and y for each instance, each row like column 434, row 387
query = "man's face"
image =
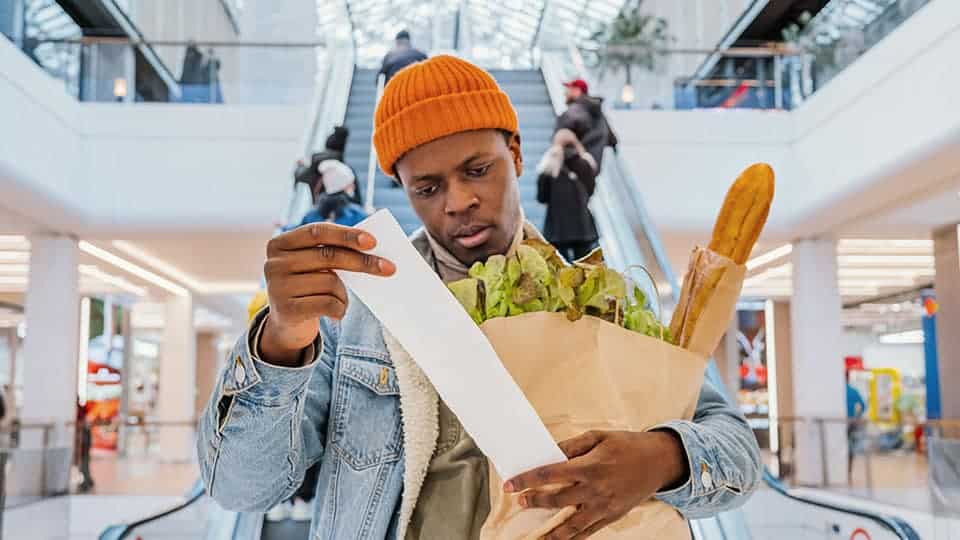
column 464, row 189
column 573, row 93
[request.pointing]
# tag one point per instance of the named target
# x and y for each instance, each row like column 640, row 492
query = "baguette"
column 744, row 213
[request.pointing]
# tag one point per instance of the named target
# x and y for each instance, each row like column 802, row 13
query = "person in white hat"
column 335, row 203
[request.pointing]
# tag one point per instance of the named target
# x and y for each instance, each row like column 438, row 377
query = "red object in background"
column 737, row 97
column 744, row 371
column 853, row 362
column 762, row 374
column 930, row 306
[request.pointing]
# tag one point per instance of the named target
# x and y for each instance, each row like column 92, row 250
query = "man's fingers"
column 558, row 473
column 312, row 284
column 325, row 305
column 315, row 234
column 571, row 496
column 327, row 257
column 581, row 444
column 578, row 524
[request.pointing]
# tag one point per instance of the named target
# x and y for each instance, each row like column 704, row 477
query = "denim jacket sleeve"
column 264, row 425
column 722, row 454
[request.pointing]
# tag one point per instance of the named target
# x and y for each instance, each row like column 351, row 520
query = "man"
column 856, row 407
column 584, row 117
column 402, row 55
column 291, row 397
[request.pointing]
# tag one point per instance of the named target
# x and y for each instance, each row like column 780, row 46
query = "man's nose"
column 460, row 198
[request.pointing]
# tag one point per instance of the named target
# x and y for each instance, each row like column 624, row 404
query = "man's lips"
column 471, row 237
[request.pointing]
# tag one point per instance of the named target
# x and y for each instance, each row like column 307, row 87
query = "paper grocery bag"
column 590, row 375
column 594, row 375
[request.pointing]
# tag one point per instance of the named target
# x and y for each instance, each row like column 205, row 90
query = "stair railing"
column 372, row 162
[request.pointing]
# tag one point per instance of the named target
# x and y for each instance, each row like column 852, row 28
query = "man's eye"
column 477, row 172
column 426, row 191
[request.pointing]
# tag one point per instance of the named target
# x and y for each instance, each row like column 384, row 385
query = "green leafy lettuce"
column 536, row 278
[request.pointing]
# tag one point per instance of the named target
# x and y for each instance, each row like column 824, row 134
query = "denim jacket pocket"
column 366, row 412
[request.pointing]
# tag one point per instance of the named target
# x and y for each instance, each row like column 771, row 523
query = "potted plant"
column 633, row 39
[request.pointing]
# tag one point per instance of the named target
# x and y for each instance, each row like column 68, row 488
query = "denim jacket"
column 265, row 425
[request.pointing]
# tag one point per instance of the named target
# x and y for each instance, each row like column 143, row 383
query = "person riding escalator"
column 567, row 177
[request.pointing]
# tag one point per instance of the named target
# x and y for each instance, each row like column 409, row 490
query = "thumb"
column 581, row 444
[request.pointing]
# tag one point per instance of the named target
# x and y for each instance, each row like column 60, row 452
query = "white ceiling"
column 913, row 219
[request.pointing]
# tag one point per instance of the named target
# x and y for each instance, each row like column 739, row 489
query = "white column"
column 52, row 314
column 177, row 384
column 946, row 247
column 819, row 389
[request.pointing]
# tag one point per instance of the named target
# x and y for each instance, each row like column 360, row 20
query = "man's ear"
column 517, row 154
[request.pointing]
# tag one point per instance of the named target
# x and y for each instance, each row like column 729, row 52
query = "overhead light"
column 14, row 269
column 109, row 279
column 859, row 291
column 159, row 264
column 886, row 260
column 865, row 246
column 128, row 266
column 784, row 270
column 876, row 283
column 14, row 256
column 226, row 287
column 886, row 243
column 14, row 242
column 885, row 272
column 908, row 337
column 770, row 256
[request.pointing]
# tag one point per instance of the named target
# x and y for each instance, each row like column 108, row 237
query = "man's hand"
column 608, row 475
column 302, row 287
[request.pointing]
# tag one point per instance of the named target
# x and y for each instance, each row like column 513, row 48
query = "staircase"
column 526, row 89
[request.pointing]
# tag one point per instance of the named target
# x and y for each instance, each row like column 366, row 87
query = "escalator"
column 628, row 238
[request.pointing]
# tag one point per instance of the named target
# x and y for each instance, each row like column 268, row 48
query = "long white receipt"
column 415, row 306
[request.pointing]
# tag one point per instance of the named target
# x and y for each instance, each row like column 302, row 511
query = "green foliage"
column 632, row 39
column 537, row 279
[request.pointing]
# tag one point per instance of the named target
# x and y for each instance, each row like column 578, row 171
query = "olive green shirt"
column 455, row 499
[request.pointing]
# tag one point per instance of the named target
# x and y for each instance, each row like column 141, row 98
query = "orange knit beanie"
column 435, row 98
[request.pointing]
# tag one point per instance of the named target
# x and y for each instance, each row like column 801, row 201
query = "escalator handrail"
column 897, row 526
column 372, row 162
column 122, row 530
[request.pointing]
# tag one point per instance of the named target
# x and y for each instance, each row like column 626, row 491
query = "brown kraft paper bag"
column 594, row 375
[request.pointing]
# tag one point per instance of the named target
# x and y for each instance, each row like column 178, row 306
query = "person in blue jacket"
column 335, row 203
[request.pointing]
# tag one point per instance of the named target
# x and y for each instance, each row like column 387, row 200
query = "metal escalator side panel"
column 120, row 531
column 900, row 528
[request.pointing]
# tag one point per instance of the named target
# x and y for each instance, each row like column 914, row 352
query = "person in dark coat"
column 567, row 178
column 584, row 117
column 402, row 55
